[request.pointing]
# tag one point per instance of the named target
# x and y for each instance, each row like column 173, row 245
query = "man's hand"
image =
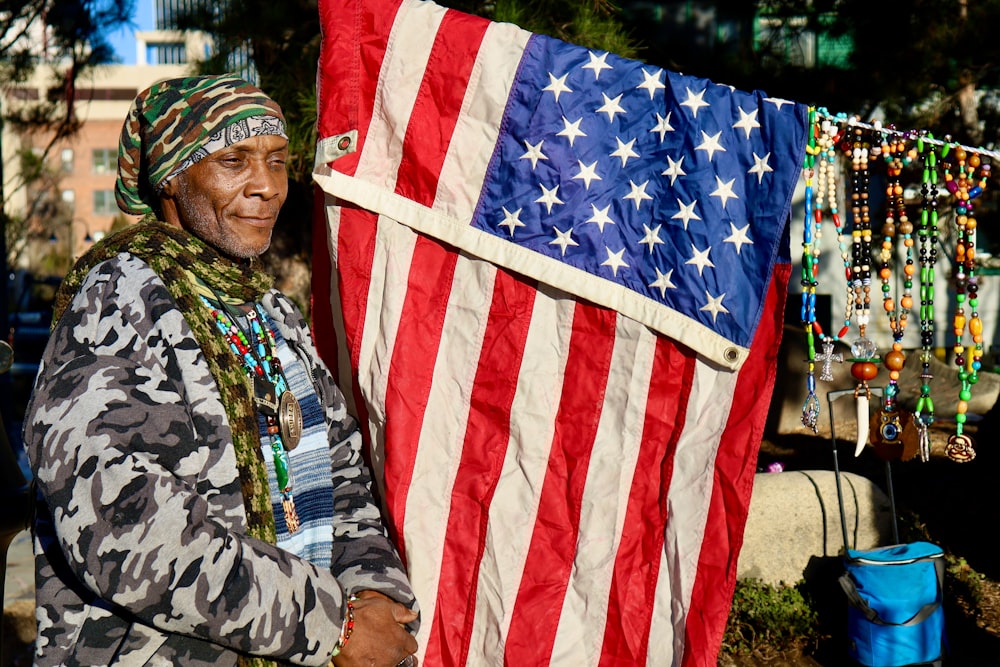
column 379, row 638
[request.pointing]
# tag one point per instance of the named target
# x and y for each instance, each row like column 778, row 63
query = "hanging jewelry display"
column 810, row 270
column 275, row 401
column 927, row 237
column 961, row 180
column 820, row 199
column 888, row 423
column 863, row 349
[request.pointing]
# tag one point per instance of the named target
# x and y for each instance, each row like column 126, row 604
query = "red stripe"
column 355, row 250
column 437, row 106
column 637, row 563
column 483, row 453
column 554, row 539
column 355, row 35
column 411, row 370
column 735, row 467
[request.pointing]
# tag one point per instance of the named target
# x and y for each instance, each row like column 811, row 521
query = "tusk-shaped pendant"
column 861, row 402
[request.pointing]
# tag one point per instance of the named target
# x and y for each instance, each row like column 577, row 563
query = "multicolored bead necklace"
column 927, row 235
column 274, row 400
column 965, row 189
column 863, row 349
column 821, row 161
column 887, row 428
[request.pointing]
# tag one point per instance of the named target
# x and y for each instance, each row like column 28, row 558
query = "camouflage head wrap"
column 177, row 122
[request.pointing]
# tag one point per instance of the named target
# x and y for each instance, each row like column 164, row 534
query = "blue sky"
column 123, row 39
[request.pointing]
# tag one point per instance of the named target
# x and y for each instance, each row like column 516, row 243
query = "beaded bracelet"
column 347, row 628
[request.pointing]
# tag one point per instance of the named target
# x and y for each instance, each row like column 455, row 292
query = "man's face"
column 231, row 198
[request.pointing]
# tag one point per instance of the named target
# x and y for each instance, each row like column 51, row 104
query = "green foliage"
column 765, row 619
column 963, row 580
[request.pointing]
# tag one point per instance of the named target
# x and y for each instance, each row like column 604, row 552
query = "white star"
column 534, row 153
column 693, row 101
column 638, row 193
column 597, row 63
column 652, row 237
column 651, row 82
column 571, row 130
column 663, row 125
column 777, row 101
column 739, row 237
column 511, row 220
column 563, row 239
column 700, row 258
column 673, row 169
column 549, row 197
column 611, row 107
column 624, row 151
column 662, row 281
column 686, row 213
column 760, row 166
column 614, row 260
column 710, row 144
column 747, row 121
column 557, row 86
column 587, row 173
column 725, row 191
column 714, row 305
column 601, row 217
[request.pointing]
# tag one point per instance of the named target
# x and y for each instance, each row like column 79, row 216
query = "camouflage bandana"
column 177, row 122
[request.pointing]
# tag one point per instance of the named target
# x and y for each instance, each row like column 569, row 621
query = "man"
column 202, row 496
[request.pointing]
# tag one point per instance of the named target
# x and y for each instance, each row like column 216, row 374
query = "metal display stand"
column 830, row 398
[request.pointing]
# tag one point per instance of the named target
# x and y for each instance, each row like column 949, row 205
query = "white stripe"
column 606, row 495
column 439, row 450
column 515, row 504
column 384, row 307
column 344, row 377
column 478, row 126
column 688, row 500
column 407, row 52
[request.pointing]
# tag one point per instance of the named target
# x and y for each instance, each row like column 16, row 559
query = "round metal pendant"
column 290, row 420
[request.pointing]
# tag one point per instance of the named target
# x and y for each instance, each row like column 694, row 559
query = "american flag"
column 554, row 291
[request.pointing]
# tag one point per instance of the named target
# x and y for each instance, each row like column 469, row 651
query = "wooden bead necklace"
column 889, row 423
column 863, row 349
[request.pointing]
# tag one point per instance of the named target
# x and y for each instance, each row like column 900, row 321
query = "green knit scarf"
column 172, row 252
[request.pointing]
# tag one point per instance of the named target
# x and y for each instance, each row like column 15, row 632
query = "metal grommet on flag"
column 332, row 148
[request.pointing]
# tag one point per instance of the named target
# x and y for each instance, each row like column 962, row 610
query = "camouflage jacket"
column 141, row 552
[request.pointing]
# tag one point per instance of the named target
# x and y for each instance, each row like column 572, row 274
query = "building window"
column 105, row 160
column 69, row 200
column 104, row 202
column 66, row 160
column 166, row 53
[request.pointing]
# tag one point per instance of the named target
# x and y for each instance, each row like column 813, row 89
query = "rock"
column 18, row 634
column 794, row 518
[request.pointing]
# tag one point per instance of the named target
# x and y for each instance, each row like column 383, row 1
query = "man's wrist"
column 346, row 628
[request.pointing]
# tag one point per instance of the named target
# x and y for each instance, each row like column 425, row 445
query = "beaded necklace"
column 863, row 349
column 282, row 413
column 888, row 424
column 821, row 161
column 927, row 235
column 965, row 189
column 810, row 269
